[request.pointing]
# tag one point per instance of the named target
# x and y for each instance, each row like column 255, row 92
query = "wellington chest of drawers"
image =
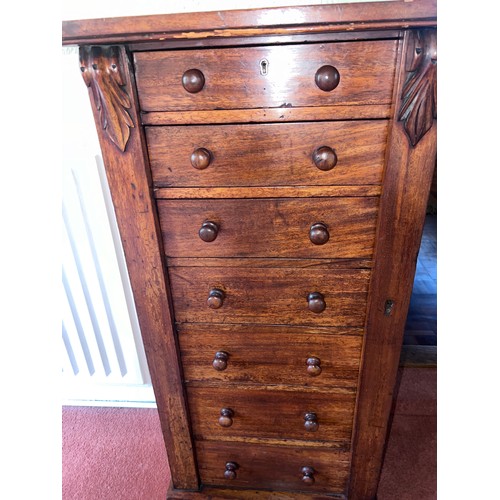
column 269, row 170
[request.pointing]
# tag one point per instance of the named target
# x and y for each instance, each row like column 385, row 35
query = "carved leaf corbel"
column 419, row 98
column 101, row 68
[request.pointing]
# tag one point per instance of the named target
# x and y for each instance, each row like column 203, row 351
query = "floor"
column 420, row 338
column 410, row 465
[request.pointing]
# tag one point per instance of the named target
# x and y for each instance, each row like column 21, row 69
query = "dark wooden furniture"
column 270, row 171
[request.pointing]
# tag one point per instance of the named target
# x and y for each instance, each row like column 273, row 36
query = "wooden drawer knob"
column 193, row 80
column 324, row 158
column 230, row 472
column 316, row 302
column 311, row 422
column 313, row 366
column 318, row 233
column 220, row 360
column 307, row 475
column 208, row 231
column 201, row 158
column 226, row 417
column 215, row 298
column 327, row 78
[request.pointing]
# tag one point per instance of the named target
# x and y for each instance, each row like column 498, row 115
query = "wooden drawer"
column 248, row 354
column 232, row 76
column 260, row 466
column 273, row 154
column 272, row 296
column 270, row 227
column 271, row 414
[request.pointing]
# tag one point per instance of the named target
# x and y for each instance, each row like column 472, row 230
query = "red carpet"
column 118, row 453
column 113, row 454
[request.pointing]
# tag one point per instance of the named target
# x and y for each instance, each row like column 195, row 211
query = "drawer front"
column 260, row 466
column 249, row 412
column 270, row 227
column 231, row 78
column 272, row 296
column 248, row 354
column 288, row 154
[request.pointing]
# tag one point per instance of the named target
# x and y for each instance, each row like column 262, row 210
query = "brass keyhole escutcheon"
column 264, row 67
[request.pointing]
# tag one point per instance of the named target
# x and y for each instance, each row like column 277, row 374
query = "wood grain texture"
column 402, row 211
column 273, row 296
column 289, row 443
column 269, row 227
column 240, row 33
column 262, row 39
column 366, row 74
column 381, row 116
column 264, row 263
column 280, row 115
column 281, row 20
column 139, row 230
column 273, row 467
column 266, row 192
column 268, row 154
column 271, row 414
column 419, row 96
column 254, row 359
column 102, row 73
column 212, row 493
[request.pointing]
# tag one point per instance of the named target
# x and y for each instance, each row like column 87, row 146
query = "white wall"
column 92, row 9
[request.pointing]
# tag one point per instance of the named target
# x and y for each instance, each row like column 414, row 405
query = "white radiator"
column 103, row 354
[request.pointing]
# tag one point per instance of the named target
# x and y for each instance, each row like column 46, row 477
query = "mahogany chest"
column 269, row 170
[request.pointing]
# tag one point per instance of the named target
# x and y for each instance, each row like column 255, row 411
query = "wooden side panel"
column 273, row 467
column 106, row 72
column 253, row 357
column 273, row 154
column 233, row 76
column 273, row 296
column 270, row 227
column 402, row 211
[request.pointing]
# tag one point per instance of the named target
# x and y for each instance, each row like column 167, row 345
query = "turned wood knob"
column 327, row 78
column 311, row 422
column 208, row 231
column 230, row 472
column 318, row 233
column 226, row 417
column 215, row 298
column 193, row 80
column 201, row 158
column 324, row 158
column 313, row 366
column 307, row 475
column 220, row 360
column 316, row 302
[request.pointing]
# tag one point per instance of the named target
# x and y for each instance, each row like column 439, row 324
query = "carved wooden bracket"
column 419, row 98
column 101, row 70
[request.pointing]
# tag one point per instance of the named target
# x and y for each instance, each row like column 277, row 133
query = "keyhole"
column 389, row 304
column 264, row 66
